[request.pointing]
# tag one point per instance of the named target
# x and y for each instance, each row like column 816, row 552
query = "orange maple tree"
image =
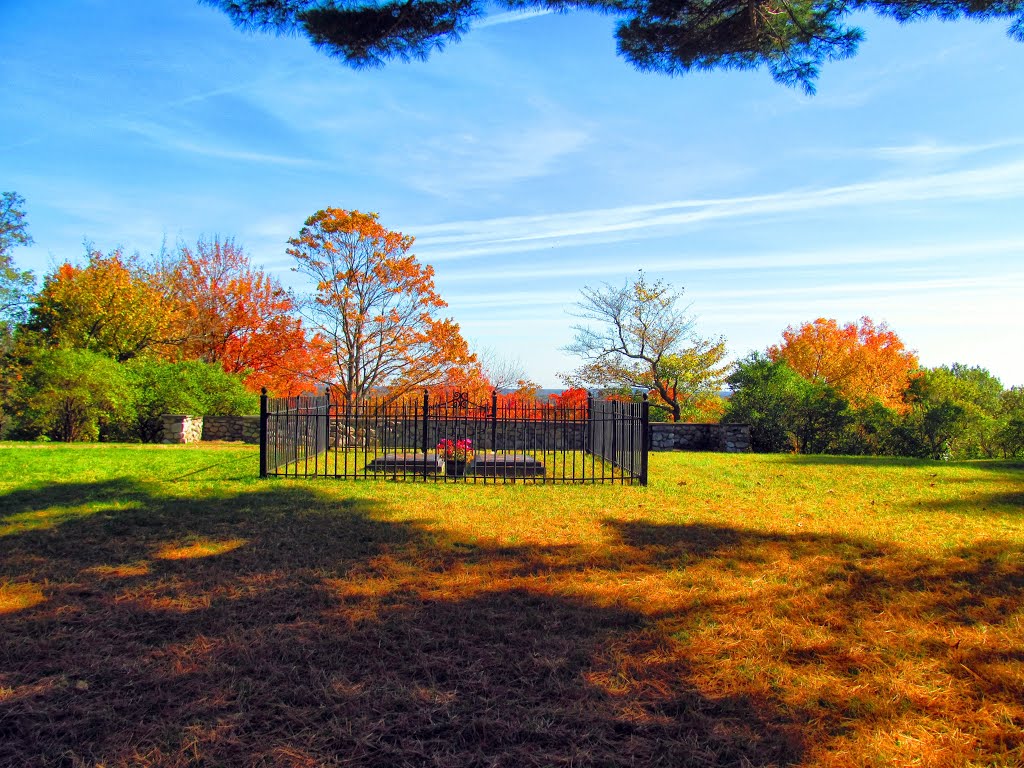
column 107, row 306
column 234, row 314
column 375, row 305
column 468, row 380
column 863, row 361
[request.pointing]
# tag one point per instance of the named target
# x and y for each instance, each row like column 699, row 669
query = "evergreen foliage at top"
column 792, row 38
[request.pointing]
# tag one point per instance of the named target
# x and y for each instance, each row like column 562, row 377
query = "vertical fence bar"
column 277, row 435
column 494, row 437
column 426, row 427
column 645, row 438
column 530, row 435
column 347, row 424
column 263, row 432
column 592, row 437
column 332, row 421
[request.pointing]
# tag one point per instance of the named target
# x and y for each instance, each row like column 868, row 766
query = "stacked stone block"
column 244, row 429
column 727, row 438
column 180, row 428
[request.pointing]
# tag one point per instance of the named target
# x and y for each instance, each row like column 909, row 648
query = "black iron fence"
column 501, row 441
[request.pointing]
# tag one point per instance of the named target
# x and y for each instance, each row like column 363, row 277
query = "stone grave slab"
column 407, row 464
column 505, row 465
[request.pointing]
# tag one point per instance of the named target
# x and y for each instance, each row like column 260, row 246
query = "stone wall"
column 734, row 438
column 245, row 429
column 402, row 434
column 727, row 438
column 179, row 428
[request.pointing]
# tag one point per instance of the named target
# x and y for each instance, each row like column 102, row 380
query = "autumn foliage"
column 640, row 337
column 233, row 314
column 864, row 362
column 107, row 306
column 375, row 304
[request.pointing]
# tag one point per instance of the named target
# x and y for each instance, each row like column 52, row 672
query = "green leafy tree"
column 190, row 386
column 15, row 285
column 785, row 411
column 977, row 394
column 1011, row 434
column 639, row 337
column 70, row 395
column 765, row 395
column 792, row 38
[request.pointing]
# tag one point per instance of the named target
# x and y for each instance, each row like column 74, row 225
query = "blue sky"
column 530, row 161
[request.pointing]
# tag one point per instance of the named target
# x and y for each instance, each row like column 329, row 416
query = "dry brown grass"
column 743, row 611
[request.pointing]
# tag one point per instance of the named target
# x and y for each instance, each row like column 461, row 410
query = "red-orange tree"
column 234, row 314
column 375, row 305
column 864, row 362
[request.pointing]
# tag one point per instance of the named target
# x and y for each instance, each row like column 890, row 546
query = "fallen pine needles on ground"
column 159, row 606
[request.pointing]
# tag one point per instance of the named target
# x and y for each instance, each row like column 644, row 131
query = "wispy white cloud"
column 465, row 239
column 453, row 165
column 923, row 253
column 751, row 299
column 511, row 17
column 959, row 284
column 934, row 149
column 925, row 149
column 171, row 139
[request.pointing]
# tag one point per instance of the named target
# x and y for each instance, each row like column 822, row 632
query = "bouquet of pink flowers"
column 456, row 450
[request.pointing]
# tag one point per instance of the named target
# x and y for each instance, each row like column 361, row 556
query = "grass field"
column 162, row 606
column 562, row 466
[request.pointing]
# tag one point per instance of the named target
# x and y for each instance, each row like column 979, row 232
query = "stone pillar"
column 182, row 428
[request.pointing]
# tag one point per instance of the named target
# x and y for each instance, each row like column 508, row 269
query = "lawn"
column 162, row 606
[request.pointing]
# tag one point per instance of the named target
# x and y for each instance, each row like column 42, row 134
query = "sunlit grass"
column 122, row 571
column 358, row 463
column 741, row 610
column 194, row 549
column 17, row 597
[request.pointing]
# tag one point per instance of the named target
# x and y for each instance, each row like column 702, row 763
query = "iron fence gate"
column 456, row 440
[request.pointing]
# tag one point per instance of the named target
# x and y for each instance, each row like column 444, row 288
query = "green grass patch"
column 163, row 606
column 546, row 467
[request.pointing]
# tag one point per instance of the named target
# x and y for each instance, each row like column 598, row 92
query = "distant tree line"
column 854, row 390
column 108, row 344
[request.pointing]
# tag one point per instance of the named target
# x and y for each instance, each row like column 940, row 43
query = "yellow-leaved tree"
column 639, row 337
column 864, row 362
column 108, row 306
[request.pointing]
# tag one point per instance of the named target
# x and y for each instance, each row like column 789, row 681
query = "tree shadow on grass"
column 872, row 644
column 945, row 487
column 978, row 503
column 283, row 626
column 51, row 495
column 991, row 465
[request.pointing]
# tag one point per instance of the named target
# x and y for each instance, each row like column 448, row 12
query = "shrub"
column 188, row 387
column 70, row 395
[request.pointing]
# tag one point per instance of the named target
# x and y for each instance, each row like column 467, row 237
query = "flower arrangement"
column 456, row 450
